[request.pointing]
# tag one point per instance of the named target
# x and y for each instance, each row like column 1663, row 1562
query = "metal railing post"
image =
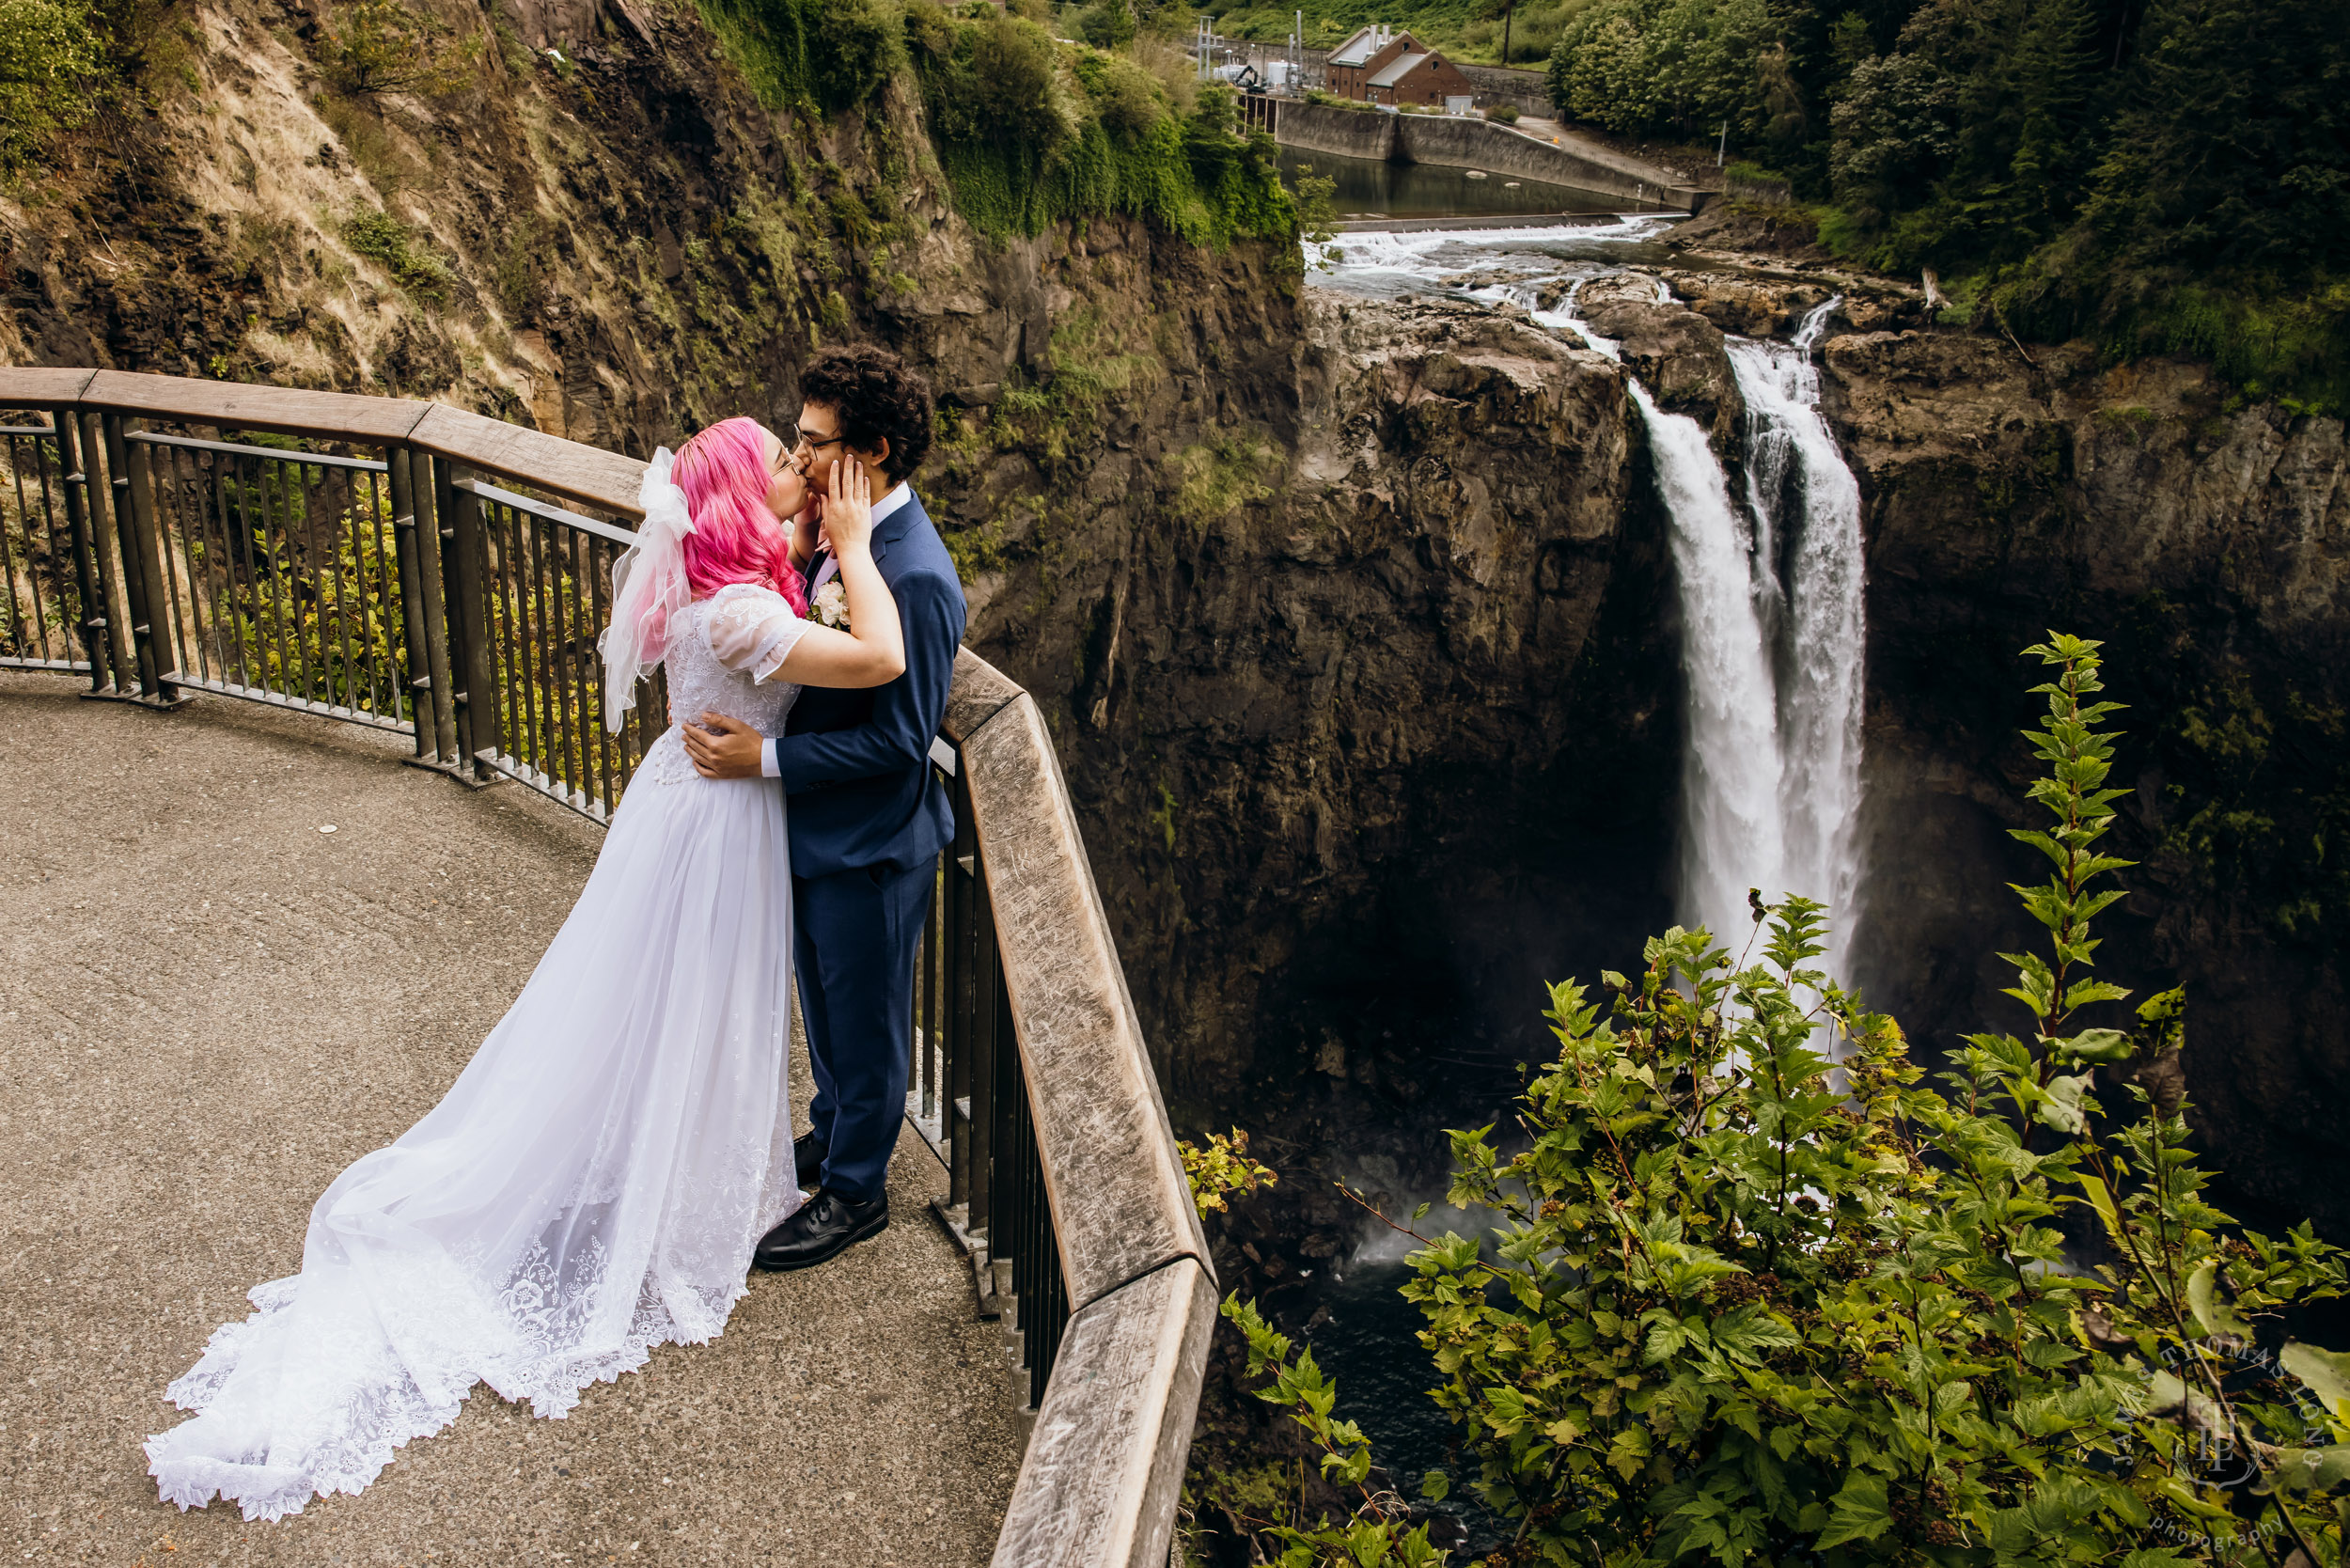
column 429, row 580
column 412, row 597
column 74, row 480
column 961, row 996
column 985, row 982
column 142, row 565
column 89, row 472
column 461, row 564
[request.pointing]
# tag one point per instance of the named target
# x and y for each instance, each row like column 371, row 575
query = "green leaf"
column 1747, row 1330
column 2203, row 1298
column 1859, row 1512
column 1435, row 1486
column 2061, row 1105
column 2096, row 1045
column 2321, row 1469
column 2325, row 1371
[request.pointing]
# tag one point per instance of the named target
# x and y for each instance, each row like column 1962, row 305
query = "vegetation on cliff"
column 1029, row 129
column 2163, row 177
column 1745, row 1304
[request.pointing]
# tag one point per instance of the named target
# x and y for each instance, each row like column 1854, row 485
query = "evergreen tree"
column 2231, row 152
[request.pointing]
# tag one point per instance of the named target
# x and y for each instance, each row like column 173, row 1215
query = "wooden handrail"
column 606, row 480
column 1099, row 1483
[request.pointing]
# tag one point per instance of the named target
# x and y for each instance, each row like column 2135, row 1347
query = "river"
column 1369, row 188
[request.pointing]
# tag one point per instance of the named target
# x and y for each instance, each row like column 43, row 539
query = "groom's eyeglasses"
column 806, row 443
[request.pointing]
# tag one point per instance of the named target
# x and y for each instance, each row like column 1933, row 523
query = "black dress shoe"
column 825, row 1226
column 807, row 1159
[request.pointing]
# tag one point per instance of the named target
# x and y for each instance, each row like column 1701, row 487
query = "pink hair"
column 724, row 473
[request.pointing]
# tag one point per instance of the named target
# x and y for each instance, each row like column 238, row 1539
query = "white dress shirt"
column 897, row 496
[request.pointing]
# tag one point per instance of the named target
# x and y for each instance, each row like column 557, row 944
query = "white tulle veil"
column 649, row 589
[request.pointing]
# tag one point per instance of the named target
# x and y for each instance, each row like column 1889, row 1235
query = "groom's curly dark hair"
column 876, row 395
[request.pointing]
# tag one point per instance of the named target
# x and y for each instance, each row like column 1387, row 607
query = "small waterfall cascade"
column 1771, row 607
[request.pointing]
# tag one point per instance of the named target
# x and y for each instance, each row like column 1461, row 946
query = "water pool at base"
column 1367, row 1345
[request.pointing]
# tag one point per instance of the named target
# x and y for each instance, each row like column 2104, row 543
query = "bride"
column 594, row 1182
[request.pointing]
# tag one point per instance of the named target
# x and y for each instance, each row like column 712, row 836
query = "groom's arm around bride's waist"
column 895, row 735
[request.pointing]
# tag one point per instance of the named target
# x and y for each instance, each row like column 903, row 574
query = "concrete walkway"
column 209, row 1007
column 1555, row 133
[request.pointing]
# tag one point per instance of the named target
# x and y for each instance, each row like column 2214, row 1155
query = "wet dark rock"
column 2204, row 542
column 1679, row 356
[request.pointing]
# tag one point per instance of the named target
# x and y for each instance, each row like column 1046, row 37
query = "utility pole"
column 1507, row 6
column 1722, row 151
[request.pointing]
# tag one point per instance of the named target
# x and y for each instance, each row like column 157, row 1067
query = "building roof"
column 1404, row 64
column 1357, row 48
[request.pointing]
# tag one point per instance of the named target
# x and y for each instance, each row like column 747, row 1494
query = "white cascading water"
column 1807, row 513
column 1771, row 769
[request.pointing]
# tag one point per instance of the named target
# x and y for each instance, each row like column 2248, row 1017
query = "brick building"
column 1379, row 65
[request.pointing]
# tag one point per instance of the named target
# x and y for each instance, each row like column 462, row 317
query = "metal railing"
column 974, row 1091
column 411, row 569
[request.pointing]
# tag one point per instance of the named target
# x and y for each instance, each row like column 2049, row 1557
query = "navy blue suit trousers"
column 854, row 936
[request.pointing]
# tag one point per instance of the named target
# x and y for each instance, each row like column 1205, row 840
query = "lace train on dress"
column 592, row 1184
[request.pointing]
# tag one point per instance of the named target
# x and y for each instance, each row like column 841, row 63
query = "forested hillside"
column 2156, row 175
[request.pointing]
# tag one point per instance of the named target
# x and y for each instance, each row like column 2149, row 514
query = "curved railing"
column 412, row 567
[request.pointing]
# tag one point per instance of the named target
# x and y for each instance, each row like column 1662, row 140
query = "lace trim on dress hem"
column 270, row 1491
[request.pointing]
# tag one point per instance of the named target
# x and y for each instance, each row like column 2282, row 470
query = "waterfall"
column 1771, row 643
column 1733, row 836
column 1807, row 513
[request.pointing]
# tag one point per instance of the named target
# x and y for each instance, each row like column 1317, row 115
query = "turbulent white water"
column 1808, row 554
column 1771, row 643
column 1771, row 607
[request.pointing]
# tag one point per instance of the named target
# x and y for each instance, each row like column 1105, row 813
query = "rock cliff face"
column 1370, row 723
column 2209, row 544
column 601, row 232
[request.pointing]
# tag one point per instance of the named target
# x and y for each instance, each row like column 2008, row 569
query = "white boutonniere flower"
column 831, row 605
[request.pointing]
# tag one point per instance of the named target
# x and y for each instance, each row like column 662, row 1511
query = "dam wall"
column 1456, row 141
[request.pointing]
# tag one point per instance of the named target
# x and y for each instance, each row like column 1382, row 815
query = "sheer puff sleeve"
column 751, row 630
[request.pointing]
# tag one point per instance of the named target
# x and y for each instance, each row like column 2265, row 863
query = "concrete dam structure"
column 1456, row 141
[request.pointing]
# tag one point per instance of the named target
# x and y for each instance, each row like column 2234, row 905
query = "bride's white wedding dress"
column 594, row 1182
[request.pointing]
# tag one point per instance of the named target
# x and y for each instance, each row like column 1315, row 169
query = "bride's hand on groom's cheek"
column 723, row 747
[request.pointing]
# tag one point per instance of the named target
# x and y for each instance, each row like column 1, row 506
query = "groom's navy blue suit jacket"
column 857, row 763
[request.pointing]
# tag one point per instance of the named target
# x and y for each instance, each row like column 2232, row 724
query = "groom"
column 867, row 815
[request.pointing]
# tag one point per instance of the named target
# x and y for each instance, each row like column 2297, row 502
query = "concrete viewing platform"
column 209, row 1006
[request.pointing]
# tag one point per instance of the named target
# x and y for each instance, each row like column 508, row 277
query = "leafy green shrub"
column 829, row 55
column 1030, row 132
column 1222, row 1170
column 49, row 49
column 382, row 237
column 1106, row 24
column 1504, row 113
column 1744, row 1301
column 1125, row 98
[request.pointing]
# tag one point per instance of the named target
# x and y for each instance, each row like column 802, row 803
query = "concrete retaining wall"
column 1470, row 144
column 1342, row 133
